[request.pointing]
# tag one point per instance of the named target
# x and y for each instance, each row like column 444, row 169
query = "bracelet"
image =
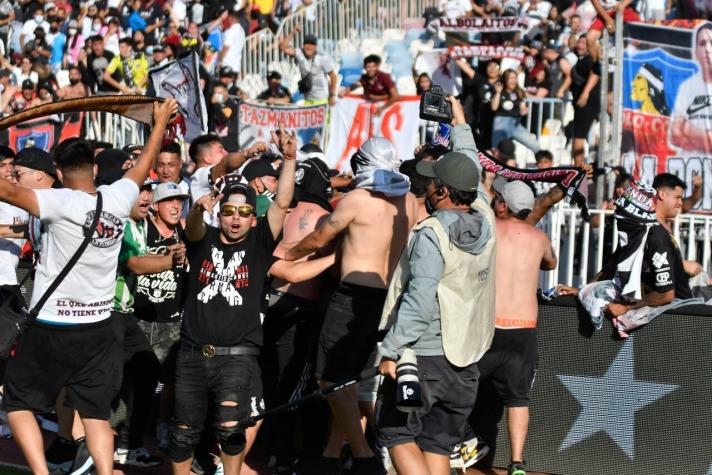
column 287, row 157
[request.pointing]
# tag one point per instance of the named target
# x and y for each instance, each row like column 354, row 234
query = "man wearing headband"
column 522, row 250
column 221, row 334
column 294, row 316
column 374, row 221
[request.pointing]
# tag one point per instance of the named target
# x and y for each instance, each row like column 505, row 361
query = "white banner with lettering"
column 354, row 120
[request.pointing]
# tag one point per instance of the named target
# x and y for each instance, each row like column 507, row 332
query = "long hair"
column 518, row 90
column 654, row 78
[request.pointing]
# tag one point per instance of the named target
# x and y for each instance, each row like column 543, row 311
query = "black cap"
column 36, row 159
column 274, row 75
column 310, row 39
column 258, row 168
column 454, row 169
column 240, row 189
column 158, row 49
column 110, row 163
column 28, row 84
column 131, row 147
column 44, row 84
column 227, row 71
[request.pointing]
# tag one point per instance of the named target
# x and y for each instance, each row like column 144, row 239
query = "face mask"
column 72, row 31
column 44, row 95
column 39, row 18
column 219, row 98
column 54, row 29
column 268, row 194
column 429, row 205
column 74, row 81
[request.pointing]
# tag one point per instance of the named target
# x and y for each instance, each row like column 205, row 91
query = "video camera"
column 435, row 106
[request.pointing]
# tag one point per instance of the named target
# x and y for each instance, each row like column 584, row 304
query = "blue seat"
column 349, row 76
column 351, row 60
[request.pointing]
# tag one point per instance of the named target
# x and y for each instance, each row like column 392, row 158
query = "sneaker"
column 142, row 458
column 60, row 454
column 219, row 470
column 83, row 463
column 456, row 461
column 472, row 451
column 367, row 466
column 517, row 468
column 120, row 456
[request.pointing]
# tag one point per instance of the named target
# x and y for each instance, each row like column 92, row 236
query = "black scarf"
column 312, row 184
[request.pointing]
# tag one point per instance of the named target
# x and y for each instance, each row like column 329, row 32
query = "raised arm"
column 285, row 43
column 690, row 202
column 544, row 203
column 235, row 160
column 277, row 211
column 162, row 113
column 195, row 227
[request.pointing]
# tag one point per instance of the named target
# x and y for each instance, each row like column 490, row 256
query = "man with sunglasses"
column 221, row 334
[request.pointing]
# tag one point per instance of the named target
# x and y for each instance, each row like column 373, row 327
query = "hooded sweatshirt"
column 418, row 323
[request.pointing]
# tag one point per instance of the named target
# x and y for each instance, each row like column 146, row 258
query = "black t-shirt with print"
column 158, row 297
column 225, row 288
column 509, row 104
column 662, row 264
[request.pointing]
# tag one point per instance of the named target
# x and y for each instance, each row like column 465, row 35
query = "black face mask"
column 74, row 81
column 429, row 206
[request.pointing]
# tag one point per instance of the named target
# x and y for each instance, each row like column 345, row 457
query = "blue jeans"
column 506, row 127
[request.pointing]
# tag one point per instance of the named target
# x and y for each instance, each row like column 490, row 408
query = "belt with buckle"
column 211, row 350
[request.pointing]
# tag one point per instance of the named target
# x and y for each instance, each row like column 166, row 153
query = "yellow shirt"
column 265, row 6
column 138, row 65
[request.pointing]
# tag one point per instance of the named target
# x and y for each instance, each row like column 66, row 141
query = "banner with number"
column 257, row 121
column 667, row 102
column 179, row 80
column 355, row 120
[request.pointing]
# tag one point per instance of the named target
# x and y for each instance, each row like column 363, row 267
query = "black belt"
column 211, row 350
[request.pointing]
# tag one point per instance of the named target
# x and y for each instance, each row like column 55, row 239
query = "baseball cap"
column 258, row 168
column 131, row 147
column 35, row 159
column 158, row 49
column 227, row 71
column 274, row 75
column 240, row 189
column 110, row 163
column 28, row 84
column 516, row 194
column 73, row 24
column 506, row 149
column 48, row 6
column 165, row 191
column 310, row 39
column 454, row 169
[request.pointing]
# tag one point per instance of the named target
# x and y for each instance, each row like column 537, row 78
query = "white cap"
column 516, row 194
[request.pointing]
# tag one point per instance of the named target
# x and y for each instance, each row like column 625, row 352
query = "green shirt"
column 133, row 244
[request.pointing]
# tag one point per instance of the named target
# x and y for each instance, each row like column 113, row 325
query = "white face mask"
column 39, row 18
column 44, row 95
column 219, row 98
column 72, row 31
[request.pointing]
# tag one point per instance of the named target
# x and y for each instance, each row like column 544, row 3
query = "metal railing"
column 549, row 114
column 583, row 247
column 337, row 24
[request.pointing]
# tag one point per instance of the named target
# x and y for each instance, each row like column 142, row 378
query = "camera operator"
column 441, row 305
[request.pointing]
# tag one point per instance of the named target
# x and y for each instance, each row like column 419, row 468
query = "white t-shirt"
column 29, row 27
column 200, row 186
column 10, row 248
column 694, row 103
column 234, row 37
column 86, row 294
column 455, row 8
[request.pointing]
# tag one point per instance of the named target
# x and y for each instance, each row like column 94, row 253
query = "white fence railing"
column 582, row 248
column 546, row 120
column 337, row 24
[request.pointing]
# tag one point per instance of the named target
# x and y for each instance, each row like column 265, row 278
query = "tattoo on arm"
column 331, row 221
column 304, row 220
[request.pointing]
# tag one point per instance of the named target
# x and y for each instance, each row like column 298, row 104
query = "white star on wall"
column 609, row 403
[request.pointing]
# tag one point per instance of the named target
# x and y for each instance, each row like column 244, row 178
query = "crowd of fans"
column 232, row 282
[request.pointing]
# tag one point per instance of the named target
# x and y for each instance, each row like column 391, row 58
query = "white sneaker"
column 120, row 456
column 219, row 470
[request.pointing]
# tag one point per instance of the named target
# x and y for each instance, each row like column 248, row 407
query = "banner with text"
column 482, row 25
column 355, row 120
column 258, row 120
column 667, row 102
column 487, row 51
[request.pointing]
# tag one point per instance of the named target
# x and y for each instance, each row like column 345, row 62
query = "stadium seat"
column 393, row 34
column 349, row 76
column 406, row 86
column 351, row 60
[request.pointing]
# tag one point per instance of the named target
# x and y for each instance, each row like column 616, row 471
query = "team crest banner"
column 354, row 120
column 257, row 121
column 667, row 102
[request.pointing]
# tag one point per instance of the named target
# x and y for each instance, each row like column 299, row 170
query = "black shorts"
column 448, row 394
column 350, row 331
column 510, row 365
column 583, row 119
column 80, row 358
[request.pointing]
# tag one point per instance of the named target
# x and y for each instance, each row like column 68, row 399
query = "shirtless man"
column 374, row 222
column 76, row 88
column 293, row 321
column 510, row 363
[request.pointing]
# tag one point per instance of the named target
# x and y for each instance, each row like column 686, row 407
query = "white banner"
column 257, row 121
column 354, row 120
column 179, row 80
column 487, row 51
column 483, row 25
